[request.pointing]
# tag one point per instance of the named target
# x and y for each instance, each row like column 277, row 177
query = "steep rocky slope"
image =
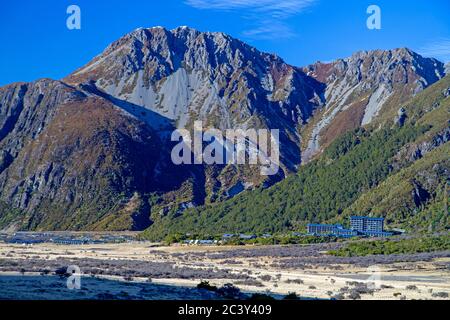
column 361, row 88
column 26, row 109
column 88, row 160
column 416, row 194
column 185, row 75
column 96, row 175
column 69, row 161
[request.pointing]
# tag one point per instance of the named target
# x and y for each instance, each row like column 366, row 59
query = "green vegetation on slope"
column 362, row 172
column 387, row 247
column 416, row 197
column 320, row 191
column 9, row 215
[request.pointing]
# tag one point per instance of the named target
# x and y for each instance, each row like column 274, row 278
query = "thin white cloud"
column 268, row 17
column 439, row 49
column 269, row 30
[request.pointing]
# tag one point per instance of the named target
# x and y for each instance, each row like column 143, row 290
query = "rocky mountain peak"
column 182, row 75
column 166, row 51
column 360, row 87
column 183, row 72
column 380, row 66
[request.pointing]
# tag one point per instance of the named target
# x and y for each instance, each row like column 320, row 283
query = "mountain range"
column 92, row 151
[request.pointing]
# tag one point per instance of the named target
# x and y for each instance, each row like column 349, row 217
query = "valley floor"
column 306, row 270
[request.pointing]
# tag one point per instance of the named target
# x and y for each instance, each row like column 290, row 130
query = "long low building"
column 360, row 226
column 330, row 230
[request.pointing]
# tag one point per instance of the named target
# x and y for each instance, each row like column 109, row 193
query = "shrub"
column 265, row 277
column 443, row 295
column 354, row 295
column 261, row 296
column 295, row 281
column 229, row 291
column 383, row 286
column 250, row 282
column 291, row 296
column 205, row 285
column 389, row 247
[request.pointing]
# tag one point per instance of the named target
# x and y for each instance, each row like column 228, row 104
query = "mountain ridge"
column 153, row 81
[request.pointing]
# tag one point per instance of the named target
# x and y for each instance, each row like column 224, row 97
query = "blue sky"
column 36, row 43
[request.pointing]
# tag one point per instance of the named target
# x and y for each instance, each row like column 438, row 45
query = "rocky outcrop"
column 427, row 146
column 446, row 92
column 401, row 117
column 419, row 194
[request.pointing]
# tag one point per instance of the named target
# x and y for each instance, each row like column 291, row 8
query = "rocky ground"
column 305, row 270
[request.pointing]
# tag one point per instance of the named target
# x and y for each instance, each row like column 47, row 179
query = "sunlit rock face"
column 92, row 151
column 359, row 89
